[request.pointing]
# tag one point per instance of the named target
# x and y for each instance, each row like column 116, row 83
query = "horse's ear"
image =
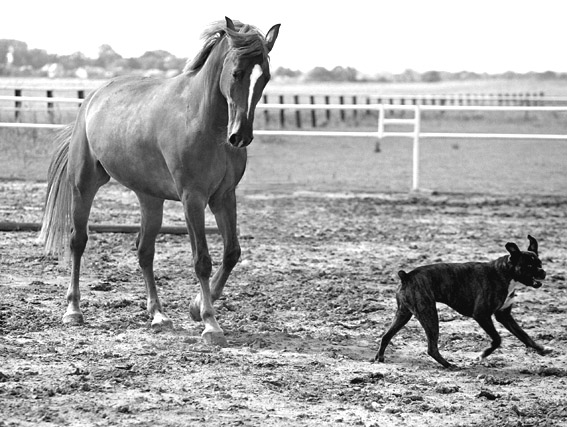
column 229, row 24
column 272, row 36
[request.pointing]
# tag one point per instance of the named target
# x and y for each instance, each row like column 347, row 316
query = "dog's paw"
column 377, row 359
column 451, row 367
column 481, row 360
column 544, row 351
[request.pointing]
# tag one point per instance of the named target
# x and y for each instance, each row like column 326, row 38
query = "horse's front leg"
column 224, row 209
column 152, row 216
column 202, row 307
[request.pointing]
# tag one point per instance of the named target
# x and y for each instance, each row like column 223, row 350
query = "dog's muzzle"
column 540, row 275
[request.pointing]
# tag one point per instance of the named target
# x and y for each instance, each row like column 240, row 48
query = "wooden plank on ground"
column 101, row 228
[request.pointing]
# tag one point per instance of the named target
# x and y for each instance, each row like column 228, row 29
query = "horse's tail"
column 56, row 225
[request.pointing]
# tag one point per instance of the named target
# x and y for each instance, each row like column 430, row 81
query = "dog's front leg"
column 485, row 322
column 505, row 317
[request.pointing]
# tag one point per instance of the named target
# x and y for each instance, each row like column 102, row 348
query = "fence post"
column 50, row 106
column 416, row 130
column 266, row 111
column 381, row 115
column 354, row 112
column 342, row 101
column 327, row 112
column 18, row 105
column 297, row 112
column 313, row 112
column 282, row 113
column 80, row 95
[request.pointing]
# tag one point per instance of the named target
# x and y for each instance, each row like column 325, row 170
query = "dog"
column 474, row 289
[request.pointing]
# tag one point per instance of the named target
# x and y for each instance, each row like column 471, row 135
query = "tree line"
column 16, row 59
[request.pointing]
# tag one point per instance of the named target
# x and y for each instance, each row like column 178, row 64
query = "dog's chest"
column 511, row 295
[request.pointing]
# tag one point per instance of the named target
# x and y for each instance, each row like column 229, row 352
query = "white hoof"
column 161, row 323
column 73, row 319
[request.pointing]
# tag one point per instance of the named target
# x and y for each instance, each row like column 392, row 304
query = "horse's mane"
column 247, row 40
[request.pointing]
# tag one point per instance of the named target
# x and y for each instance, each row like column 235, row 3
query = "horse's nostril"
column 239, row 141
column 235, row 139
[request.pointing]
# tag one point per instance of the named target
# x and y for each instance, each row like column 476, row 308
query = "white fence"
column 414, row 123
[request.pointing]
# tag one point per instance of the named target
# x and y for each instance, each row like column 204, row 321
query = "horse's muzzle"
column 240, row 141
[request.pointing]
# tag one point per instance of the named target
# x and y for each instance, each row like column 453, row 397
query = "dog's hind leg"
column 505, row 317
column 429, row 319
column 403, row 315
column 485, row 322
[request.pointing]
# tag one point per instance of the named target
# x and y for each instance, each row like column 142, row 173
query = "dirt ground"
column 302, row 313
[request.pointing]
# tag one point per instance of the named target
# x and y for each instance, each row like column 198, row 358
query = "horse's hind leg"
column 86, row 176
column 152, row 215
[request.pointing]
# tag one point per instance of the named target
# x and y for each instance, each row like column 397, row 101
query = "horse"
column 182, row 138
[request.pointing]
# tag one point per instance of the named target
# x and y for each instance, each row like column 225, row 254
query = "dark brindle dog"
column 474, row 289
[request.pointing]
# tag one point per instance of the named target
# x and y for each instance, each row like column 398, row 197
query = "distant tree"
column 286, row 72
column 133, row 63
column 547, row 75
column 510, row 75
column 16, row 49
column 467, row 75
column 74, row 61
column 37, row 58
column 107, row 57
column 342, row 74
column 409, row 76
column 431, row 77
column 157, row 59
column 319, row 74
column 337, row 74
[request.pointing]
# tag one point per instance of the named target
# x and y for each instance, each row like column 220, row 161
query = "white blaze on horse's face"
column 243, row 81
column 244, row 75
column 254, row 77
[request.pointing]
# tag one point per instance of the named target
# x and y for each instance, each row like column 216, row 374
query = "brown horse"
column 181, row 139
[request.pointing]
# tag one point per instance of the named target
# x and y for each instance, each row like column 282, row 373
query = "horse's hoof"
column 195, row 312
column 162, row 325
column 215, row 338
column 73, row 319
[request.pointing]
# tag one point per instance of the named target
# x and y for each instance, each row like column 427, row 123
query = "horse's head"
column 245, row 73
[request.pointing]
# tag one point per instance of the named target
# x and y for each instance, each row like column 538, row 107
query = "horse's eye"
column 238, row 75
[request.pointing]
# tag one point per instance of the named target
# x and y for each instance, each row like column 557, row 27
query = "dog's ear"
column 514, row 251
column 533, row 245
column 402, row 275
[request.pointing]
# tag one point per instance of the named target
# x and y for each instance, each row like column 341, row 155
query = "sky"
column 373, row 36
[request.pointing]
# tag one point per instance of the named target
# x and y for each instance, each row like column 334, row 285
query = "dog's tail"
column 403, row 276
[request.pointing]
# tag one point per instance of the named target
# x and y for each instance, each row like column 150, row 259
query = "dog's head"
column 526, row 266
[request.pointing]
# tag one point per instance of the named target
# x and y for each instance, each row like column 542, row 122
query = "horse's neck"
column 204, row 95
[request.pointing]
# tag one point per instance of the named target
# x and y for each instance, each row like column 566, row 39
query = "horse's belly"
column 147, row 174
